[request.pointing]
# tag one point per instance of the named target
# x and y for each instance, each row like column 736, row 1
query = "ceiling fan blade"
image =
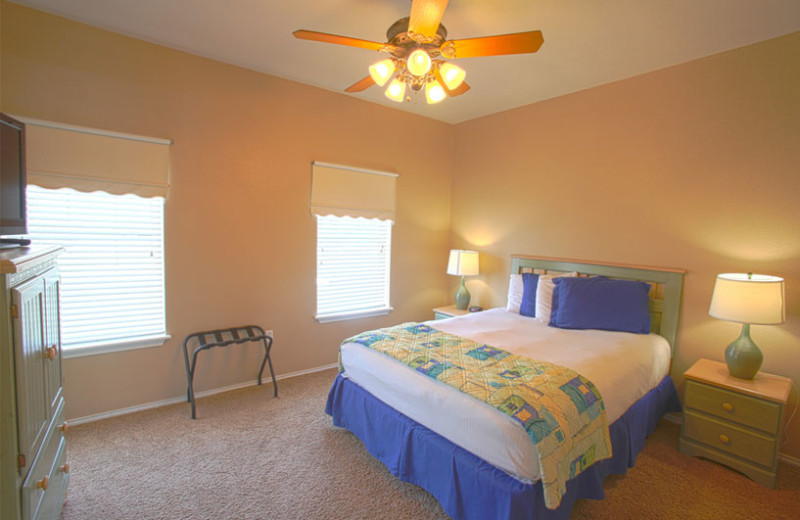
column 517, row 43
column 426, row 15
column 362, row 84
column 339, row 40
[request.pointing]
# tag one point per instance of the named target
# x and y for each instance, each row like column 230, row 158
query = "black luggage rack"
column 216, row 338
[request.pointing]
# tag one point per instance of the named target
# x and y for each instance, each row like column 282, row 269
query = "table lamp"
column 462, row 263
column 747, row 299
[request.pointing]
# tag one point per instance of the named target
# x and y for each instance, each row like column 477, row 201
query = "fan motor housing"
column 398, row 35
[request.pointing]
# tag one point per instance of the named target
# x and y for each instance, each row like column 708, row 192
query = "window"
column 355, row 209
column 353, row 260
column 112, row 271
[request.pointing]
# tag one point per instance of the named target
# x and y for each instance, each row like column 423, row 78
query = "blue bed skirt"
column 467, row 487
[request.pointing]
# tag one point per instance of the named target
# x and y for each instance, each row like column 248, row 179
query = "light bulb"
column 382, row 71
column 396, row 90
column 434, row 92
column 419, row 63
column 452, row 75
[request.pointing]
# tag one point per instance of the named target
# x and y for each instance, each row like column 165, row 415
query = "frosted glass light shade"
column 434, row 92
column 463, row 263
column 382, row 71
column 396, row 90
column 452, row 75
column 418, row 63
column 748, row 298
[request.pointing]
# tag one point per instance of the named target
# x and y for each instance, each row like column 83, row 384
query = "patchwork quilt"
column 562, row 412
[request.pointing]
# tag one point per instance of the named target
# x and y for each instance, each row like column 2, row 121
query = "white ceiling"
column 586, row 42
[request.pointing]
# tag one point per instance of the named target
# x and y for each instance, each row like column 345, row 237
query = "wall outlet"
column 270, row 334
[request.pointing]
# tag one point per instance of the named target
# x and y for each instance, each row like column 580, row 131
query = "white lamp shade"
column 452, row 75
column 418, row 63
column 396, row 90
column 382, row 71
column 434, row 92
column 463, row 263
column 748, row 298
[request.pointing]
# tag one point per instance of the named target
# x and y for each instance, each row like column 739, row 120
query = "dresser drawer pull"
column 42, row 484
column 50, row 353
column 64, row 468
column 63, row 428
column 728, row 407
column 724, row 439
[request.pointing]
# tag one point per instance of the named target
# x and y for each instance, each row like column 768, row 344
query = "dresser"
column 34, row 471
column 735, row 422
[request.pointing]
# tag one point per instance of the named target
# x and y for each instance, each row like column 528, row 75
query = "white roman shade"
column 85, row 159
column 344, row 191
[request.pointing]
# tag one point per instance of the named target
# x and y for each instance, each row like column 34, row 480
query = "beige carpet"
column 249, row 456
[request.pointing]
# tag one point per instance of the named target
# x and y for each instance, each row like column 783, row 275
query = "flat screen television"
column 13, row 181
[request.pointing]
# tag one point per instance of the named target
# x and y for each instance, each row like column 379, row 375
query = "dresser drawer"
column 50, row 508
column 43, row 479
column 748, row 411
column 730, row 439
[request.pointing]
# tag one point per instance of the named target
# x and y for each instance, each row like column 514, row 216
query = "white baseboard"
column 788, row 459
column 182, row 399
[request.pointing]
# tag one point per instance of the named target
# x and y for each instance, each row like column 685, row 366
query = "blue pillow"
column 530, row 282
column 601, row 303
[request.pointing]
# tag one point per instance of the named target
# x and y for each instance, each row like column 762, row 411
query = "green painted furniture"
column 736, row 422
column 33, row 469
column 665, row 294
column 441, row 313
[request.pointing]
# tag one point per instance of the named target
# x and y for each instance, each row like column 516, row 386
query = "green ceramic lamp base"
column 462, row 297
column 743, row 356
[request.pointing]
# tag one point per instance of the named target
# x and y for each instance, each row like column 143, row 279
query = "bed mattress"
column 623, row 367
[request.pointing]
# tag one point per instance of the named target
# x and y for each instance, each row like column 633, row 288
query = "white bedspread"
column 623, row 367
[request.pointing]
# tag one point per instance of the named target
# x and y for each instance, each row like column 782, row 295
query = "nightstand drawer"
column 748, row 411
column 730, row 439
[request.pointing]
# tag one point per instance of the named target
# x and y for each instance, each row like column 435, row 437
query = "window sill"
column 95, row 349
column 353, row 315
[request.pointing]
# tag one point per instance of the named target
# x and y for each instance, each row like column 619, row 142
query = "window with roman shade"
column 355, row 210
column 101, row 196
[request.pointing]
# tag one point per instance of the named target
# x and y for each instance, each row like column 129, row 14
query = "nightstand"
column 736, row 422
column 440, row 313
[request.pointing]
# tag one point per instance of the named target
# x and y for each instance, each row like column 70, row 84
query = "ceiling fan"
column 419, row 51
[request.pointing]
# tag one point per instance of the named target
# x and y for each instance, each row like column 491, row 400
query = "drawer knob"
column 42, row 484
column 728, row 407
column 724, row 439
column 64, row 468
column 50, row 353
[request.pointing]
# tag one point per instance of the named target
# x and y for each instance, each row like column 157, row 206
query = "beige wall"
column 696, row 166
column 240, row 240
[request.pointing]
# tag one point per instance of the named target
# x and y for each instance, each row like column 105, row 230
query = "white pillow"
column 544, row 295
column 514, row 293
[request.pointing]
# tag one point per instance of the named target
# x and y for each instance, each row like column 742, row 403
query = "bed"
column 479, row 462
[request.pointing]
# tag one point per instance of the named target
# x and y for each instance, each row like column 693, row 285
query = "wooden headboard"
column 665, row 294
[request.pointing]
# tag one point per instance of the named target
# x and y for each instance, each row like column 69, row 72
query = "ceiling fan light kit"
column 396, row 90
column 382, row 71
column 418, row 45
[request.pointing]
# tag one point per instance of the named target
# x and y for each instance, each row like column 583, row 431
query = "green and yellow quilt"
column 562, row 412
